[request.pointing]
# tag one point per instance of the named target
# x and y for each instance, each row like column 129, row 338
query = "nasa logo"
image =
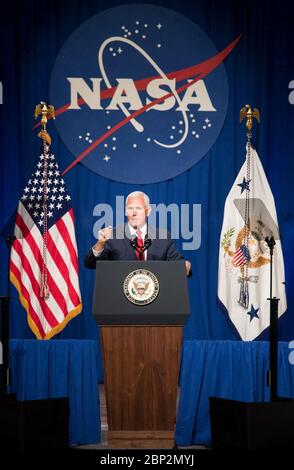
column 141, row 93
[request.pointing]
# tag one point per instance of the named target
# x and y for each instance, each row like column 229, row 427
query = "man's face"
column 137, row 212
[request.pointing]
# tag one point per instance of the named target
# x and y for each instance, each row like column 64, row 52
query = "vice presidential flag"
column 44, row 260
column 244, row 259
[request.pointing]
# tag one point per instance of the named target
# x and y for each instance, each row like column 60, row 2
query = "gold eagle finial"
column 249, row 113
column 46, row 112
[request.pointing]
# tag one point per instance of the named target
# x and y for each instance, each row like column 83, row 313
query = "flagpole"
column 248, row 113
column 46, row 112
column 5, row 377
column 272, row 375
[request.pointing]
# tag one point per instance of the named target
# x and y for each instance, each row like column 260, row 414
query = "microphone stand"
column 140, row 251
column 4, row 320
column 272, row 376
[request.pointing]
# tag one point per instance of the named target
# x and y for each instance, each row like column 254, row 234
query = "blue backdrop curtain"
column 259, row 71
column 60, row 368
column 209, row 370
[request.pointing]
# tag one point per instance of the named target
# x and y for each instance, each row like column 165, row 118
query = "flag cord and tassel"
column 44, row 290
column 249, row 113
column 45, row 111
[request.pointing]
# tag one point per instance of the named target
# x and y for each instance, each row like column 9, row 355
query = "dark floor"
column 104, row 427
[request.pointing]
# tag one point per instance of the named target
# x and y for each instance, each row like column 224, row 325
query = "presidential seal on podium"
column 141, row 287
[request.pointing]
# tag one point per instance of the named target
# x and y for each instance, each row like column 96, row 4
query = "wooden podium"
column 141, row 348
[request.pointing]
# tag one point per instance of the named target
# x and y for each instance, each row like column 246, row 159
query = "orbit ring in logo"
column 139, row 87
column 141, row 287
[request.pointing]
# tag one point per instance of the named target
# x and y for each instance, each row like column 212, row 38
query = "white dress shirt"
column 143, row 230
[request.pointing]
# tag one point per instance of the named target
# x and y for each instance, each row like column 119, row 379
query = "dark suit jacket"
column 162, row 248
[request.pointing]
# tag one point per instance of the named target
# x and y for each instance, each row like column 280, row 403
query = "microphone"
column 134, row 241
column 147, row 242
column 270, row 242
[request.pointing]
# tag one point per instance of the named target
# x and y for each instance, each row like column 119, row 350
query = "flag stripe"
column 25, row 269
column 60, row 258
column 60, row 245
column 65, row 227
column 239, row 258
column 56, row 283
column 33, row 307
column 51, row 302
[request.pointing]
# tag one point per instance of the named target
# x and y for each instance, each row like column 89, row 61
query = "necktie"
column 140, row 244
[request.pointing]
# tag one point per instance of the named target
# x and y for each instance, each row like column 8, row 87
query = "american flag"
column 241, row 256
column 44, row 260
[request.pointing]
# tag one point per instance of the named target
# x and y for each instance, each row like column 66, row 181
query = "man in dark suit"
column 116, row 245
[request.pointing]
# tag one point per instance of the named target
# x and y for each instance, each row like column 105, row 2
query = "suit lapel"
column 152, row 236
column 127, row 238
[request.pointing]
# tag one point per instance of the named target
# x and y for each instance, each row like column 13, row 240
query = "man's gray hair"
column 139, row 194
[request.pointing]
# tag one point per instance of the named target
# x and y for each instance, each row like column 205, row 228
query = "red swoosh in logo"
column 200, row 70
